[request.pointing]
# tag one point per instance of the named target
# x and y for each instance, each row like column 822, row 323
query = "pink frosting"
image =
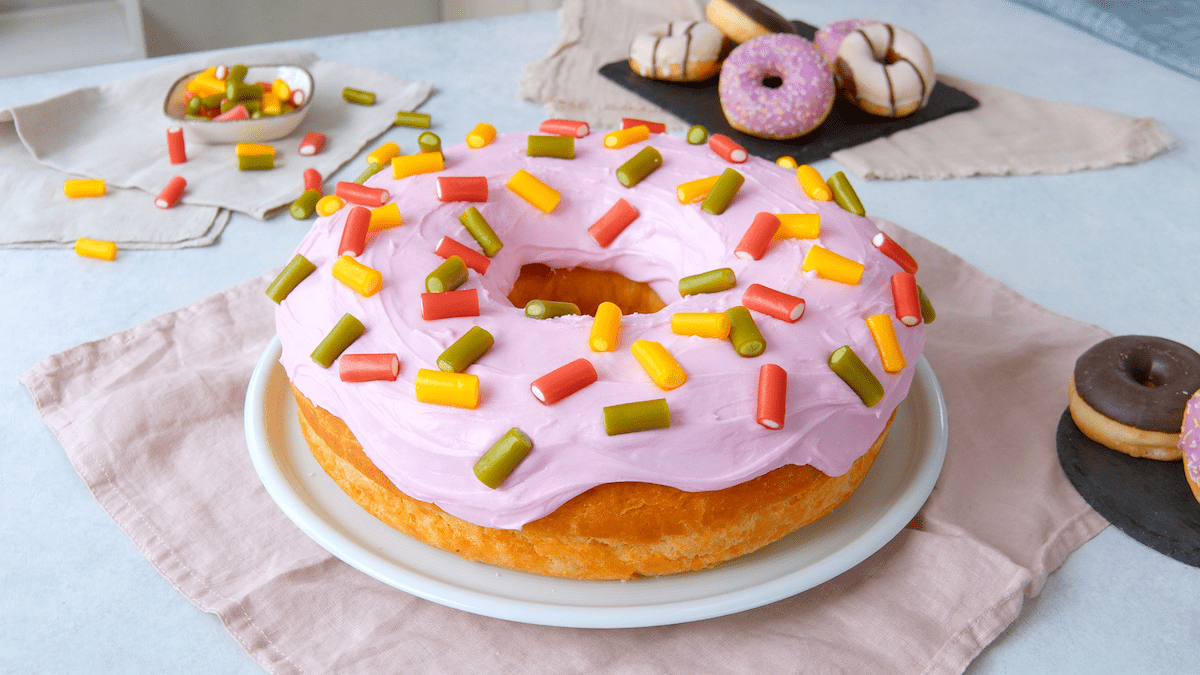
column 1189, row 439
column 792, row 109
column 829, row 38
column 713, row 442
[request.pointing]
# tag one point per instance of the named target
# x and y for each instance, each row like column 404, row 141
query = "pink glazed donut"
column 1189, row 443
column 829, row 38
column 776, row 86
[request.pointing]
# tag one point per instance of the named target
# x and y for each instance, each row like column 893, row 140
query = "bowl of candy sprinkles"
column 238, row 104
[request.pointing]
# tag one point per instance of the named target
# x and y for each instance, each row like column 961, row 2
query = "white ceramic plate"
column 888, row 498
column 242, row 131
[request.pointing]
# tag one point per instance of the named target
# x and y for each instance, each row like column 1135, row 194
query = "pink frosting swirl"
column 1189, row 439
column 713, row 442
column 801, row 101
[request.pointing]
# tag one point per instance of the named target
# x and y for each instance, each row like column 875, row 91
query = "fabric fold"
column 152, row 419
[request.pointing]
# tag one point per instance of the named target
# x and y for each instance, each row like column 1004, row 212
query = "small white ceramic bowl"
column 243, row 131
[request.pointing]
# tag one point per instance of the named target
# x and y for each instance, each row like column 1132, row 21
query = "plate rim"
column 882, row 530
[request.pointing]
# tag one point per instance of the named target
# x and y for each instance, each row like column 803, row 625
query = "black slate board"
column 1147, row 499
column 846, row 126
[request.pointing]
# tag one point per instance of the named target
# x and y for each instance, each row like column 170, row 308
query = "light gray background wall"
column 177, row 26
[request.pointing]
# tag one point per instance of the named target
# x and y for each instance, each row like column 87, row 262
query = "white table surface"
column 1113, row 247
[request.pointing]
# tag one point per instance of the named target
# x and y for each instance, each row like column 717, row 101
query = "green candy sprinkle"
column 697, row 135
column 448, row 276
column 240, row 91
column 844, row 194
column 562, row 147
column 303, row 207
column 927, row 313
column 483, row 233
column 412, row 119
column 744, row 335
column 548, row 309
column 466, row 350
column 708, row 282
column 637, row 416
column 371, row 170
column 358, row 96
column 257, row 163
column 723, row 191
column 297, row 269
column 855, row 373
column 644, row 163
column 503, row 457
column 344, row 333
column 429, row 142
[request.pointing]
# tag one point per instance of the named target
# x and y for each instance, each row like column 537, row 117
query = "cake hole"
column 772, row 82
column 1140, row 366
column 585, row 287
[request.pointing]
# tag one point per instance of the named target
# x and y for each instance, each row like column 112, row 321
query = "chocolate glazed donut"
column 743, row 20
column 1129, row 393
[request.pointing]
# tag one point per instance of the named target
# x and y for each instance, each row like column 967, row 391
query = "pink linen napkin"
column 151, row 418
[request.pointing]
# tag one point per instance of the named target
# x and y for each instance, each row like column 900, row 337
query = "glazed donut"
column 1128, row 393
column 679, row 51
column 830, row 37
column 885, row 70
column 744, row 20
column 712, row 485
column 776, row 86
column 1189, row 443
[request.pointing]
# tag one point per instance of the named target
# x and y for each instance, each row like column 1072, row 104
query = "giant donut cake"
column 713, row 485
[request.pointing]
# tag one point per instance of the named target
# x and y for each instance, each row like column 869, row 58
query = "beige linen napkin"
column 117, row 131
column 151, row 418
column 1007, row 134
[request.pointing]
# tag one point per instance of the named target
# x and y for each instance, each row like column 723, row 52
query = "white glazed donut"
column 679, row 51
column 885, row 70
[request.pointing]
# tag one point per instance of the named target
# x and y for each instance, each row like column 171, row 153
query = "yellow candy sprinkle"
column 271, row 105
column 411, row 165
column 83, row 187
column 247, row 149
column 281, row 89
column 695, row 190
column 623, row 137
column 384, row 217
column 206, row 83
column 329, row 205
column 829, row 265
column 94, row 248
column 356, row 276
column 884, row 334
column 383, row 154
column 813, row 185
column 798, row 226
column 483, row 134
column 528, row 187
column 606, row 328
column 658, row 363
column 787, row 162
column 701, row 324
column 460, row 390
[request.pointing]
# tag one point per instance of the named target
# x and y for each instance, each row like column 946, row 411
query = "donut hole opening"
column 585, row 287
column 1143, row 369
column 772, row 81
